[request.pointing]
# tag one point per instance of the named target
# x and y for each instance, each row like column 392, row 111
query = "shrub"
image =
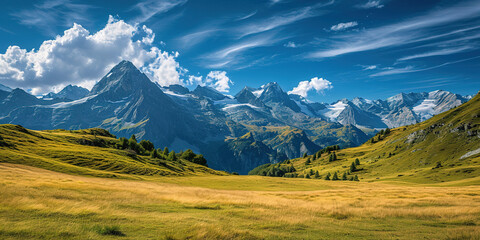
column 109, row 230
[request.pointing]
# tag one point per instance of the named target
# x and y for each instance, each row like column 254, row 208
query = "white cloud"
column 80, row 58
column 317, row 84
column 371, row 67
column 51, row 13
column 218, row 80
column 290, row 45
column 281, row 20
column 401, row 33
column 441, row 52
column 231, row 55
column 343, row 26
column 411, row 69
column 195, row 80
column 150, row 8
column 371, row 4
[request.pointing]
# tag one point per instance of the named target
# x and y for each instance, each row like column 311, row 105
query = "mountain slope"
column 69, row 92
column 443, row 148
column 92, row 152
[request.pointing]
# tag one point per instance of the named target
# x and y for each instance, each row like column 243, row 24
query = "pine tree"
column 305, row 155
column 133, row 138
column 331, row 159
column 344, row 177
column 357, row 162
column 327, row 177
column 353, row 168
column 153, row 154
column 165, row 151
column 356, row 178
column 172, row 156
column 307, row 175
column 335, row 176
column 308, row 161
column 387, row 131
column 317, row 175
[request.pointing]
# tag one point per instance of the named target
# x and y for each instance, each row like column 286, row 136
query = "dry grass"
column 37, row 203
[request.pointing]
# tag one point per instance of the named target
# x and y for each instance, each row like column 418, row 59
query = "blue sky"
column 326, row 50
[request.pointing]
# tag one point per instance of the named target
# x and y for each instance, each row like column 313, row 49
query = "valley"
column 40, row 204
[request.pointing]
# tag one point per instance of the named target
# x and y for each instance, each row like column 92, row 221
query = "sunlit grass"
column 36, row 203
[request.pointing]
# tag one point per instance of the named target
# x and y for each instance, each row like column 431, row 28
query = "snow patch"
column 230, row 106
column 305, row 109
column 69, row 104
column 334, row 110
column 258, row 92
column 426, row 108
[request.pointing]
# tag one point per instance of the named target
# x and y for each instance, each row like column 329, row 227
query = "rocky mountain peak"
column 123, row 80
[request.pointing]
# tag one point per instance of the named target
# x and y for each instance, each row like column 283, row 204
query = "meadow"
column 41, row 204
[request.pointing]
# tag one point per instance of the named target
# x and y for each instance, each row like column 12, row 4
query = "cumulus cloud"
column 81, row 58
column 371, row 4
column 317, row 84
column 343, row 26
column 218, row 80
column 371, row 67
column 290, row 45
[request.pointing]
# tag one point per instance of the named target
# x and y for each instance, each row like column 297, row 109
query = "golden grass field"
column 41, row 204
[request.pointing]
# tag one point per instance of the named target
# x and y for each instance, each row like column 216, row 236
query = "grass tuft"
column 109, row 230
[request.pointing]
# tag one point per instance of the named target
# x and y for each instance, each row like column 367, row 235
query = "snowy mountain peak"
column 69, row 92
column 122, row 80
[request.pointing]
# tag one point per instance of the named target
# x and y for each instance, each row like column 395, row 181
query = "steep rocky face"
column 18, row 98
column 245, row 153
column 273, row 95
column 207, row 92
column 246, row 96
column 70, row 92
column 293, row 143
column 178, row 89
column 399, row 110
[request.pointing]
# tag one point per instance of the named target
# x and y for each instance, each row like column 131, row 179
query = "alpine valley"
column 235, row 133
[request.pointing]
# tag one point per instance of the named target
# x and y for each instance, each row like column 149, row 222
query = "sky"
column 324, row 50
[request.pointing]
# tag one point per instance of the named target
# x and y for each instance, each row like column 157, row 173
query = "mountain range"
column 443, row 148
column 235, row 133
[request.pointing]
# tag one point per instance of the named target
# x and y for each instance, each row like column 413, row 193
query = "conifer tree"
column 327, row 177
column 344, row 177
column 317, row 175
column 308, row 161
column 165, row 151
column 357, row 162
column 335, row 176
column 356, row 178
column 133, row 138
column 305, row 155
column 172, row 156
column 307, row 175
column 353, row 168
column 153, row 154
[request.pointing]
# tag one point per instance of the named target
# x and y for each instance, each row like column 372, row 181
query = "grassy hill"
column 93, row 152
column 443, row 148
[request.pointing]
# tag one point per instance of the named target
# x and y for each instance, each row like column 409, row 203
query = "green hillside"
column 441, row 149
column 94, row 152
